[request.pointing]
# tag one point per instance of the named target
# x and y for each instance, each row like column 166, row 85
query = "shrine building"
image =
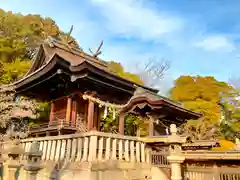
column 81, row 89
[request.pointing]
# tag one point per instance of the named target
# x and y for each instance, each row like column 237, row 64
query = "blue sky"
column 198, row 37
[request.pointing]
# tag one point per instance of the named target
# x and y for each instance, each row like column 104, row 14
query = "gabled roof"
column 143, row 97
column 74, row 58
column 73, row 55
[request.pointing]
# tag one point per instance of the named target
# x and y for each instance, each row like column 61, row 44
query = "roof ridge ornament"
column 69, row 34
column 67, row 42
column 98, row 51
column 64, row 41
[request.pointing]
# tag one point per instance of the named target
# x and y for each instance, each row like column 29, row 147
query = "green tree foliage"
column 19, row 36
column 118, row 69
column 14, row 70
column 133, row 123
column 230, row 123
column 202, row 94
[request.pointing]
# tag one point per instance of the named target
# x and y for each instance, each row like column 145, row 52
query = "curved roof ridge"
column 74, row 56
column 154, row 96
column 76, row 51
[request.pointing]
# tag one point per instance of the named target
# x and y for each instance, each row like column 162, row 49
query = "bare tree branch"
column 153, row 71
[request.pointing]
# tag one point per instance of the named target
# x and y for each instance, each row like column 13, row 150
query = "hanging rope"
column 101, row 103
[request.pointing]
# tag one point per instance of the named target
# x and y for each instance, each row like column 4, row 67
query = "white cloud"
column 216, row 43
column 130, row 18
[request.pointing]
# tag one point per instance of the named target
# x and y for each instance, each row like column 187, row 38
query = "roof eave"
column 56, row 59
column 161, row 102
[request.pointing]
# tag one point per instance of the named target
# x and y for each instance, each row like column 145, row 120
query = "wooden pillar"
column 74, row 112
column 90, row 115
column 95, row 117
column 99, row 118
column 51, row 118
column 150, row 127
column 86, row 112
column 121, row 123
column 69, row 109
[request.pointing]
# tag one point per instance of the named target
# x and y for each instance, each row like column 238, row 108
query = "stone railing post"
column 33, row 162
column 176, row 162
column 175, row 157
column 148, row 152
column 216, row 174
column 12, row 154
column 143, row 152
column 92, row 156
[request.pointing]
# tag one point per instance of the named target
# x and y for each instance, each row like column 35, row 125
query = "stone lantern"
column 12, row 153
column 175, row 157
column 33, row 166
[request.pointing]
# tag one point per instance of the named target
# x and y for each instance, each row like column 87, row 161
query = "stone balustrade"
column 90, row 146
column 127, row 152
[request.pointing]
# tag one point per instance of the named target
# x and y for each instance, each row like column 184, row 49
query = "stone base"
column 105, row 170
column 108, row 170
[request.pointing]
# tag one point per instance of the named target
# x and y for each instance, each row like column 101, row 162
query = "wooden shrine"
column 161, row 111
column 79, row 87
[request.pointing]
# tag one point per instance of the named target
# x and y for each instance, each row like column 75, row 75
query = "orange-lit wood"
column 69, row 109
column 90, row 115
column 121, row 123
column 51, row 118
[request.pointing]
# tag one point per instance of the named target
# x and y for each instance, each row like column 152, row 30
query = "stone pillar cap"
column 176, row 158
column 34, row 150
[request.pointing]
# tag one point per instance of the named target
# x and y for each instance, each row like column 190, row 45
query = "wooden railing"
column 56, row 123
column 90, row 146
column 60, row 121
column 159, row 159
column 78, row 125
